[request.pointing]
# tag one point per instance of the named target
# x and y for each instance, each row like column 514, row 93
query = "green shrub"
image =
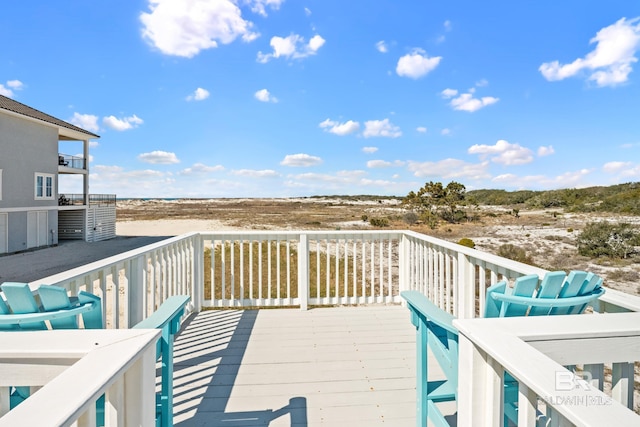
column 467, row 242
column 607, row 239
column 379, row 222
column 410, row 217
column 515, row 253
column 365, row 217
column 569, row 230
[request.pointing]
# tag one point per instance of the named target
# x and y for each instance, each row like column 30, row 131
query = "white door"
column 37, row 224
column 4, row 233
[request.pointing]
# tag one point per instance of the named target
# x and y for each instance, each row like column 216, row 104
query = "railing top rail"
column 480, row 255
column 102, row 357
column 518, row 344
column 310, row 233
column 123, row 257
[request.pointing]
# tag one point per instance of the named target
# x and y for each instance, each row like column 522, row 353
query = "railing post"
column 303, row 271
column 466, row 288
column 136, row 285
column 403, row 263
column 197, row 287
column 480, row 399
column 139, row 391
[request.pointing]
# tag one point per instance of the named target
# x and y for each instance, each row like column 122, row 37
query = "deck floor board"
column 323, row 367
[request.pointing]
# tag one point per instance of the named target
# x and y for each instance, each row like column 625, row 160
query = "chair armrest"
column 17, row 319
column 423, row 307
column 170, row 310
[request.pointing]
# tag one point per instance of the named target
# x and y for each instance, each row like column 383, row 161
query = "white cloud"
column 377, row 164
column 382, row 128
column 340, row 128
column 201, row 168
column 616, row 167
column 545, row 151
column 447, row 25
column 450, row 169
column 266, row 173
column 445, row 131
column 504, row 153
column 4, row 91
column 416, row 64
column 466, row 101
column 159, row 157
column 421, row 129
column 382, row 46
column 15, row 84
column 184, row 28
column 292, row 46
column 482, row 83
column 258, row 6
column 449, row 93
column 307, row 11
column 85, row 121
column 265, row 96
column 609, row 63
column 300, row 160
column 10, row 87
column 369, row 150
column 122, row 124
column 199, row 94
column 566, row 180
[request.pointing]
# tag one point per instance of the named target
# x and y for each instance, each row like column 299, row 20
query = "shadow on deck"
column 332, row 366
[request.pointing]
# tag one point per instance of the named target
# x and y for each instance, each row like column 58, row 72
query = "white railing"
column 301, row 268
column 69, row 370
column 298, row 268
column 132, row 285
column 304, row 268
column 534, row 350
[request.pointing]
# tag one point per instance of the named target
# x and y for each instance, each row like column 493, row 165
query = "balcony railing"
column 68, row 199
column 305, row 268
column 73, row 162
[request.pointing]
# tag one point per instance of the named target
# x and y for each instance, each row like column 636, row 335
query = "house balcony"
column 70, row 201
column 352, row 363
column 71, row 164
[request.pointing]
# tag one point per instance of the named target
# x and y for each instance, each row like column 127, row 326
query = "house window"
column 44, row 186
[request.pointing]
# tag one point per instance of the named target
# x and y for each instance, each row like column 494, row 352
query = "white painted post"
column 527, row 406
column 5, row 392
column 466, row 288
column 403, row 263
column 140, row 390
column 480, row 400
column 114, row 405
column 622, row 383
column 135, row 279
column 197, row 286
column 303, row 271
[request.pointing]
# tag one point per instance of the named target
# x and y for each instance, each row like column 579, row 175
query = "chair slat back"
column 571, row 288
column 56, row 298
column 549, row 288
column 21, row 301
column 525, row 286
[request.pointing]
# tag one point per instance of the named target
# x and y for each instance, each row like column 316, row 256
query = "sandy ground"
column 169, row 227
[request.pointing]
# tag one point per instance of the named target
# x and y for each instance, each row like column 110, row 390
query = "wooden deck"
column 350, row 366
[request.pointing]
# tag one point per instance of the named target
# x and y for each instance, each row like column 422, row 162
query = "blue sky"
column 281, row 98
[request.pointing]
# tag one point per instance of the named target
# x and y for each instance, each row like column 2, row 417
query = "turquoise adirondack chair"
column 21, row 310
column 557, row 293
